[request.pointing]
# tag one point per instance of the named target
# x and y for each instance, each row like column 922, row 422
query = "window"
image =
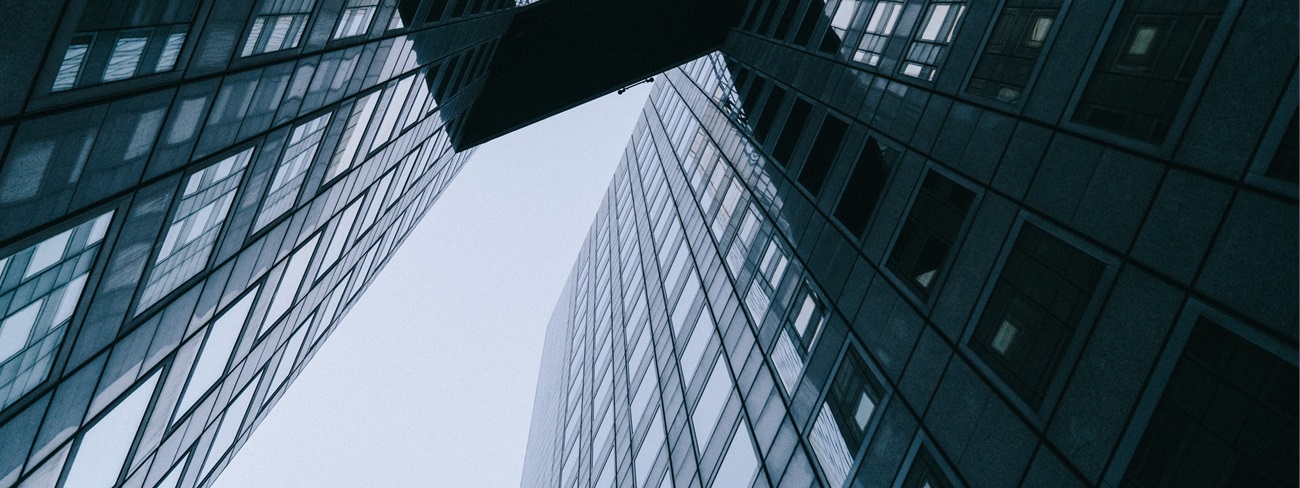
column 146, row 42
column 339, row 237
column 795, row 340
column 290, row 173
column 355, row 19
column 1228, row 414
column 771, row 268
column 289, row 358
column 214, row 354
column 103, row 449
column 739, row 464
column 1013, row 49
column 125, row 58
column 1147, row 66
column 196, row 224
column 929, row 232
column 40, row 287
column 932, row 38
column 846, row 414
column 346, row 151
column 884, row 17
column 278, row 25
column 822, row 155
column 713, row 399
column 290, row 281
column 925, row 472
column 863, row 189
column 651, row 445
column 1035, row 307
column 73, row 60
column 228, row 428
column 791, row 130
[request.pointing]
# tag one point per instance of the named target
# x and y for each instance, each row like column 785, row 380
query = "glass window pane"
column 104, row 447
column 125, row 58
column 210, row 365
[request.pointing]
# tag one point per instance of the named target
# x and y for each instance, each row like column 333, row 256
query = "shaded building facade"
column 192, row 195
column 944, row 243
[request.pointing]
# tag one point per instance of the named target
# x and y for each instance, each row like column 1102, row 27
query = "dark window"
column 769, row 111
column 791, row 130
column 925, row 472
column 1285, row 165
column 769, row 12
column 1146, row 67
column 752, row 91
column 1035, row 308
column 863, row 189
column 436, row 9
column 1227, row 418
column 808, row 23
column 929, row 232
column 787, row 16
column 852, row 398
column 822, row 155
column 1013, row 48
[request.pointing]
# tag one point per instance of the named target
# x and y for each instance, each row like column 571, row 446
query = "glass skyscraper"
column 906, row 243
column 192, row 195
column 938, row 243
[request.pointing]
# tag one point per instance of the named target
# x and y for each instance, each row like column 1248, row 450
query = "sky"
column 429, row 379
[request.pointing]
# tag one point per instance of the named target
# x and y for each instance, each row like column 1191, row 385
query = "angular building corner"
column 938, row 243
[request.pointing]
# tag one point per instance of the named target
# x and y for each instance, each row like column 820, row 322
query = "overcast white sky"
column 429, row 380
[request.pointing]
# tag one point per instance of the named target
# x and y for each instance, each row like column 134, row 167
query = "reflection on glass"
column 104, row 447
column 215, row 352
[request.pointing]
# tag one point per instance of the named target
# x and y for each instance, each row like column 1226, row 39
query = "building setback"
column 935, row 243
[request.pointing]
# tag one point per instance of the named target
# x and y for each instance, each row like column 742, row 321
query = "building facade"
column 934, row 243
column 192, row 195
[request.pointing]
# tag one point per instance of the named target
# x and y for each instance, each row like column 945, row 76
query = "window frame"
column 1162, row 372
column 940, row 277
column 1164, row 149
column 1044, row 48
column 1056, row 382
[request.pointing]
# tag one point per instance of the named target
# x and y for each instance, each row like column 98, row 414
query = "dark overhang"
column 558, row 54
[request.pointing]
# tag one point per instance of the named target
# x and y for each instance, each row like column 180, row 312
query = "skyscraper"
column 944, row 243
column 192, row 194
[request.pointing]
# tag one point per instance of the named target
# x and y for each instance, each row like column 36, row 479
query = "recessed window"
column 73, row 60
column 932, row 38
column 925, row 472
column 929, row 232
column 884, row 17
column 846, row 414
column 1014, row 49
column 1227, row 414
column 278, row 25
column 822, row 154
column 125, row 58
column 356, row 17
column 291, row 171
column 1146, row 67
column 1036, row 305
column 40, row 287
column 864, row 188
column 795, row 340
column 196, row 224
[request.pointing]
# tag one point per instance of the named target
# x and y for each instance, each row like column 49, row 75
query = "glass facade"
column 866, row 243
column 190, row 204
column 852, row 267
